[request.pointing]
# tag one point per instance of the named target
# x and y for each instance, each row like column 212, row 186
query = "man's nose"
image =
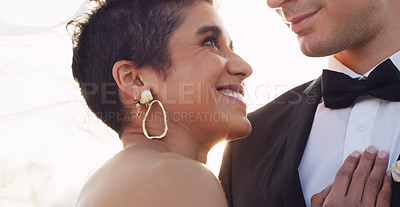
column 275, row 3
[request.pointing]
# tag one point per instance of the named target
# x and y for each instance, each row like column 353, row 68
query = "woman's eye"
column 210, row 42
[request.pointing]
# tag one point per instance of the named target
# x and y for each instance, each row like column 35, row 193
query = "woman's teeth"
column 232, row 94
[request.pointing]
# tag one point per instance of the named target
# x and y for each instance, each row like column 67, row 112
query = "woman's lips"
column 233, row 95
column 234, row 92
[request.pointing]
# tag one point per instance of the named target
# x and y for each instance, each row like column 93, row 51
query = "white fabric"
column 50, row 142
column 337, row 133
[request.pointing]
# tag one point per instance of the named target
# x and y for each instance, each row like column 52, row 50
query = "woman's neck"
column 176, row 141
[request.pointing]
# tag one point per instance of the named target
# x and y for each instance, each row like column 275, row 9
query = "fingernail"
column 389, row 173
column 356, row 154
column 383, row 154
column 372, row 149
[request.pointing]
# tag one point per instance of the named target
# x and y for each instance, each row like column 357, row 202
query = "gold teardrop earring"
column 147, row 99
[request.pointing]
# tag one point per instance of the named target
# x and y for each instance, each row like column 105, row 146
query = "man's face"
column 326, row 27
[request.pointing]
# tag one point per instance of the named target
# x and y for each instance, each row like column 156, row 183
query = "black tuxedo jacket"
column 261, row 170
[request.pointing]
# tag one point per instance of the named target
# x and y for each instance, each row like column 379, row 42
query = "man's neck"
column 362, row 63
column 363, row 58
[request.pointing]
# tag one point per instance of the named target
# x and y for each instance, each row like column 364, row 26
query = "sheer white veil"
column 50, row 142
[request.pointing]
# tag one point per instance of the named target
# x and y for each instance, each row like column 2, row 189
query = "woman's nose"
column 238, row 66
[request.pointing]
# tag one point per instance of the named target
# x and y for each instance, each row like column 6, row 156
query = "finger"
column 344, row 174
column 319, row 198
column 361, row 174
column 385, row 194
column 375, row 179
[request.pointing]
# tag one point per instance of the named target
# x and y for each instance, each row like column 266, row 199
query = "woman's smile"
column 234, row 92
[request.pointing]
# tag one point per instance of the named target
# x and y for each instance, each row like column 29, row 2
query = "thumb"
column 318, row 199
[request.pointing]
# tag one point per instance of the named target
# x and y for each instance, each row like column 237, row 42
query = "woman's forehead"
column 202, row 18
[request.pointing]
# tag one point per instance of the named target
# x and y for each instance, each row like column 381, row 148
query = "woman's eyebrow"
column 216, row 32
column 214, row 29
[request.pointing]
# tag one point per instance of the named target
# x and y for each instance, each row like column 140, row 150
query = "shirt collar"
column 336, row 65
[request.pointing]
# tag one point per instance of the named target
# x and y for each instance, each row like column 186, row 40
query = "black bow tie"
column 340, row 91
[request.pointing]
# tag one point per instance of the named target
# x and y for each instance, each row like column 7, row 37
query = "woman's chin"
column 240, row 131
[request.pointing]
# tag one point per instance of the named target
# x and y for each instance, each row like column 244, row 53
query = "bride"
column 163, row 75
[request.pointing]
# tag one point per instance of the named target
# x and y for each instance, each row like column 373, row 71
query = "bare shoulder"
column 152, row 179
column 184, row 182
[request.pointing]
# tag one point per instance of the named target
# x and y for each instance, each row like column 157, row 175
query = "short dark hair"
column 137, row 30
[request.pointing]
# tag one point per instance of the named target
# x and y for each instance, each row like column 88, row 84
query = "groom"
column 300, row 139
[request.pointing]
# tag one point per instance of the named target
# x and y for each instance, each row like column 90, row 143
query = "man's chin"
column 310, row 47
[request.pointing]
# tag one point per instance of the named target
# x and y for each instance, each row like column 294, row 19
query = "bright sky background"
column 50, row 143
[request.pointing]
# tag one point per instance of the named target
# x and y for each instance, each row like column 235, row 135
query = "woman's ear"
column 127, row 77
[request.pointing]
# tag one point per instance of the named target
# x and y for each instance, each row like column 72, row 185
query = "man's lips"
column 297, row 22
column 298, row 18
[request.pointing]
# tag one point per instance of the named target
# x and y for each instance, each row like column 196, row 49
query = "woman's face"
column 203, row 92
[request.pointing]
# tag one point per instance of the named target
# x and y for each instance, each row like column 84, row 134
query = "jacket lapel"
column 298, row 133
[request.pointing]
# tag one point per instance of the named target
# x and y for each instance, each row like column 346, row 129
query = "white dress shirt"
column 338, row 132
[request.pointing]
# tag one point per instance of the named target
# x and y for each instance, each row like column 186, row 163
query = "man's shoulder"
column 261, row 154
